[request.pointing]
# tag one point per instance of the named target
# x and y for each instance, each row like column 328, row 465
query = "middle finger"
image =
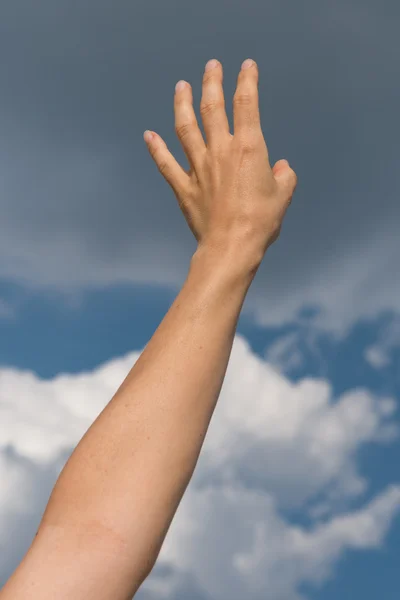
column 212, row 106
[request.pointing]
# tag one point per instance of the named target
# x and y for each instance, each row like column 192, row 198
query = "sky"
column 296, row 495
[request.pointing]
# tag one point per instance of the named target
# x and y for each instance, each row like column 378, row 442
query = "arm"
column 114, row 501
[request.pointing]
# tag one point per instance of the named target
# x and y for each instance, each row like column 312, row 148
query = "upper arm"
column 72, row 564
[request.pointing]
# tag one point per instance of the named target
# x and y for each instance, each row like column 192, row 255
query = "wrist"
column 232, row 263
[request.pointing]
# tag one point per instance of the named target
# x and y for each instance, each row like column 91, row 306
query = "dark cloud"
column 82, row 202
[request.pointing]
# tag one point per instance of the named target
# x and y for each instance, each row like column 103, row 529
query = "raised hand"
column 230, row 196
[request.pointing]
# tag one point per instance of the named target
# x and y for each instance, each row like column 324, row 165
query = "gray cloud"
column 82, row 203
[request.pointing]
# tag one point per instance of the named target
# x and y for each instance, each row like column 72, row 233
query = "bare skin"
column 111, row 507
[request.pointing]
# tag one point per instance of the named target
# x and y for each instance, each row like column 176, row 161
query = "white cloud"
column 295, row 349
column 378, row 355
column 312, row 437
column 285, row 353
column 235, row 544
column 271, row 445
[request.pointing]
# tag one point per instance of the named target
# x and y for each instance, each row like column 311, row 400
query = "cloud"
column 295, row 350
column 379, row 354
column 285, row 353
column 82, row 203
column 312, row 436
column 272, row 446
column 234, row 543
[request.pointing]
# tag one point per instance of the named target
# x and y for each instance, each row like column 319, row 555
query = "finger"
column 186, row 126
column 212, row 105
column 169, row 168
column 246, row 112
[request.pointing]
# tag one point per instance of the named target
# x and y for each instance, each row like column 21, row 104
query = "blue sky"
column 93, row 250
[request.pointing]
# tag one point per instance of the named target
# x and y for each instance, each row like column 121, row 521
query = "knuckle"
column 183, row 129
column 210, row 106
column 243, row 98
column 248, row 143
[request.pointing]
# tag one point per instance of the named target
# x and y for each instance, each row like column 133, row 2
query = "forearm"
column 130, row 470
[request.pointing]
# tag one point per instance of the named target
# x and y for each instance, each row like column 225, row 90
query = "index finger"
column 246, row 111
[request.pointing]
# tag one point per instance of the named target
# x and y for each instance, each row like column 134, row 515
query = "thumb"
column 285, row 177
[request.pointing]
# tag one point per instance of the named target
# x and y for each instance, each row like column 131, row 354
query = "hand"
column 230, row 195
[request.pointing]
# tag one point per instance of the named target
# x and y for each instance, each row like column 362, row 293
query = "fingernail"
column 148, row 136
column 247, row 63
column 180, row 86
column 211, row 64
